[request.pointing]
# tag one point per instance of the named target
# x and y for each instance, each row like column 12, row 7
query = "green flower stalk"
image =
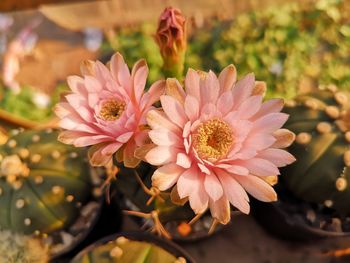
column 172, row 41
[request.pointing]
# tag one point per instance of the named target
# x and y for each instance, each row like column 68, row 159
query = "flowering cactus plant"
column 210, row 142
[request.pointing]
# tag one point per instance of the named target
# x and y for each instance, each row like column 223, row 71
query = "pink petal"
column 90, row 140
column 284, row 138
column 166, row 176
column 191, row 108
column 220, row 210
column 92, row 85
column 234, row 169
column 120, row 71
column 96, row 157
column 249, row 107
column 227, row 78
column 192, row 83
column 261, row 167
column 129, row 158
column 234, row 192
column 183, row 160
column 139, row 75
column 209, row 89
column 187, row 181
column 257, row 188
column 157, row 119
column 225, row 102
column 164, row 137
column 175, row 90
column 213, row 186
column 278, row 157
column 111, row 148
column 161, row 155
column 125, row 137
column 76, row 84
column 270, row 122
column 270, row 106
column 259, row 141
column 243, row 89
column 155, row 91
column 173, row 110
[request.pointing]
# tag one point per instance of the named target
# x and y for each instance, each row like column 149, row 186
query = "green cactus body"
column 43, row 183
column 123, row 250
column 321, row 173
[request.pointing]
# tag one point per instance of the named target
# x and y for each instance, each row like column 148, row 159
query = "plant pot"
column 278, row 219
column 109, row 220
column 166, row 245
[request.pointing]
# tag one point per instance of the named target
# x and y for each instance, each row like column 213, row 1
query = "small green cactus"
column 16, row 248
column 44, row 184
column 123, row 250
column 321, row 122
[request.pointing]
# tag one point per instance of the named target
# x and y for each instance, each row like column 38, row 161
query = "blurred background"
column 295, row 46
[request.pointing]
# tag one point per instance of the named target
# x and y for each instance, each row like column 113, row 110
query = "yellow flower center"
column 112, row 110
column 213, row 139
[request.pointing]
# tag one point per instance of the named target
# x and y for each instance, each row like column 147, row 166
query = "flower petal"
column 161, row 155
column 227, row 78
column 213, row 186
column 278, row 157
column 166, row 176
column 257, row 188
column 174, row 110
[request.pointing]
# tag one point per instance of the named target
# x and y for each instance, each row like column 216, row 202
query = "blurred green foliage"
column 291, row 47
column 23, row 104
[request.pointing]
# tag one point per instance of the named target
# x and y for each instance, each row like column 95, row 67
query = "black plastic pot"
column 140, row 236
column 109, row 220
column 276, row 220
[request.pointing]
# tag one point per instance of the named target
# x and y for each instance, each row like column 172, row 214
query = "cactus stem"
column 195, row 218
column 290, row 103
column 27, row 221
column 116, row 252
column 303, row 138
column 37, row 232
column 333, row 112
column 347, row 136
column 56, row 189
column 121, row 240
column 69, row 198
column 332, row 87
column 55, row 154
column 17, row 185
column 1, row 191
column 180, row 260
column 36, row 138
column 38, row 179
column 20, row 203
column 73, row 155
column 324, row 127
column 346, row 158
column 328, row 203
column 23, row 153
column 35, row 158
column 341, row 184
column 311, row 104
column 12, row 143
column 341, row 98
column 213, row 226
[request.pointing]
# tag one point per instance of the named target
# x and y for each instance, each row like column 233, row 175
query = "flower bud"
column 171, row 39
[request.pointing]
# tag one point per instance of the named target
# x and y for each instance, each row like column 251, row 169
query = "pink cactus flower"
column 217, row 140
column 107, row 109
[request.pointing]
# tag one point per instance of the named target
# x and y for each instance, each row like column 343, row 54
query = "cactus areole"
column 321, row 122
column 44, row 187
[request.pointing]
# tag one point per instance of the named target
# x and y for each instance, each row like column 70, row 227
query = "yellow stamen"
column 213, row 139
column 112, row 110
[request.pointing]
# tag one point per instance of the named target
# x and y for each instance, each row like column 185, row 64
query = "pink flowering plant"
column 212, row 141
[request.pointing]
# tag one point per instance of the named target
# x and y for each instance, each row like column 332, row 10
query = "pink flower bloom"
column 217, row 140
column 107, row 109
